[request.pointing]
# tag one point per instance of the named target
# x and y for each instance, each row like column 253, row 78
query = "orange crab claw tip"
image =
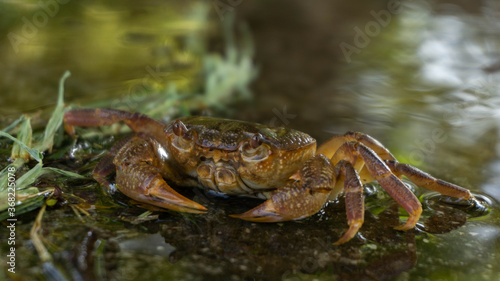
column 172, row 200
column 187, row 206
column 410, row 223
column 194, row 208
column 179, row 206
column 262, row 213
column 351, row 232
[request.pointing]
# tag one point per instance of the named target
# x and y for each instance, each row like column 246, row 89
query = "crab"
column 280, row 165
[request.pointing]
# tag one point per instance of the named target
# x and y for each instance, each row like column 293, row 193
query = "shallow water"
column 423, row 79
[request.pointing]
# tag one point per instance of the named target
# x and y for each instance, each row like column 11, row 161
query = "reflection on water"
column 491, row 184
column 427, row 86
column 216, row 246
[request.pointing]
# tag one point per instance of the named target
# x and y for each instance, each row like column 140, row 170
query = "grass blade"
column 18, row 163
column 55, row 120
column 29, row 177
column 13, row 125
column 35, row 153
column 64, row 172
column 25, row 136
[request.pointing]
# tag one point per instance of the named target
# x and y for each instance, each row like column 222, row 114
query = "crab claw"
column 291, row 202
column 265, row 212
column 142, row 183
column 297, row 199
column 164, row 196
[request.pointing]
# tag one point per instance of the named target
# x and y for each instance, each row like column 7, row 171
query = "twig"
column 35, row 237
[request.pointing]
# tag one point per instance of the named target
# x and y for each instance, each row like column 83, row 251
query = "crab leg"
column 105, row 167
column 351, row 151
column 427, row 181
column 101, row 117
column 354, row 201
column 297, row 199
column 330, row 147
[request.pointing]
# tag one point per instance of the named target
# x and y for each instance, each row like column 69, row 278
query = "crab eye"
column 183, row 136
column 179, row 128
column 256, row 140
column 254, row 149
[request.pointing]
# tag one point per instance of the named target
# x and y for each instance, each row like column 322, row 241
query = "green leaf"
column 145, row 214
column 13, row 124
column 28, row 205
column 4, row 174
column 32, row 175
column 55, row 120
column 35, row 153
column 25, row 136
column 64, row 172
column 51, row 202
column 29, row 177
column 22, row 196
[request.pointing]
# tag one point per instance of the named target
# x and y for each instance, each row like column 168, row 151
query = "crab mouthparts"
column 217, row 154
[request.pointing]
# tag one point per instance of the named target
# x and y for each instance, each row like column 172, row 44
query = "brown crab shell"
column 226, row 134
